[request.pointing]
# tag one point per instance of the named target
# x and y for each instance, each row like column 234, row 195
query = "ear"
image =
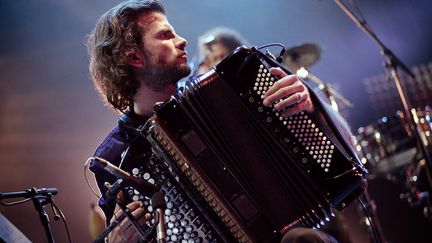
column 136, row 58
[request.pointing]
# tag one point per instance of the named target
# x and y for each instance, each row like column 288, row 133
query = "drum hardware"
column 392, row 64
column 418, row 193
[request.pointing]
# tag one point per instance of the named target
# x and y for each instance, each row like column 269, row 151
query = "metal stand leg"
column 39, row 203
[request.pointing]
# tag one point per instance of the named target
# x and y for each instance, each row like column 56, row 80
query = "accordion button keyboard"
column 183, row 219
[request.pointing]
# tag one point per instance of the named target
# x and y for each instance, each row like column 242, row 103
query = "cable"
column 377, row 239
column 281, row 54
column 64, row 221
column 270, row 45
column 15, row 203
column 87, row 179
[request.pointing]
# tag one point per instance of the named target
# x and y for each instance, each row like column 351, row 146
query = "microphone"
column 29, row 193
column 144, row 187
column 159, row 205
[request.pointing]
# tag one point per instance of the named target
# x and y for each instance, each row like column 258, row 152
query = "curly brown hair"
column 114, row 37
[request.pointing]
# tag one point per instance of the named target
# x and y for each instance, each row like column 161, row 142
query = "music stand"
column 9, row 233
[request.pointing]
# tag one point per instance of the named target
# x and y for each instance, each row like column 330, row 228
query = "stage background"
column 52, row 119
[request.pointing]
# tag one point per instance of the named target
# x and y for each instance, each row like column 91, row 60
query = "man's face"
column 165, row 60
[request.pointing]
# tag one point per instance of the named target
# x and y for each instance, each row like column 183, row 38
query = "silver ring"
column 300, row 98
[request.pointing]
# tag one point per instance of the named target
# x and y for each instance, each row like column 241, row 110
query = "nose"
column 181, row 42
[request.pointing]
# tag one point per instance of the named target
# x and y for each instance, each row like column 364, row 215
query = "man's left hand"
column 289, row 95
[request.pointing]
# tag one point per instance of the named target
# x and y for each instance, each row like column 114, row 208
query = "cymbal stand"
column 392, row 63
column 330, row 93
column 330, row 97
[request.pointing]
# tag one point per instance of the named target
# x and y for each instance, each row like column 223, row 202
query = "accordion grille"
column 301, row 126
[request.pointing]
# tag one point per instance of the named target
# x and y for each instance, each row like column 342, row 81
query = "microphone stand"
column 392, row 62
column 40, row 198
column 39, row 203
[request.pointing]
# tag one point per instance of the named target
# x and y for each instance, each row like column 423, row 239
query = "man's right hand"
column 125, row 231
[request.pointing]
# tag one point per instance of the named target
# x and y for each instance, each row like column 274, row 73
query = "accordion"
column 253, row 173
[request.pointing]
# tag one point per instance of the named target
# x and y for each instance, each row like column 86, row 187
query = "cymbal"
column 301, row 56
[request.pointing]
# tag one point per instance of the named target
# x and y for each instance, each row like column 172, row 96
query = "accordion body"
column 252, row 173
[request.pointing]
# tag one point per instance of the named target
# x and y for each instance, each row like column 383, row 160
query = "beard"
column 160, row 75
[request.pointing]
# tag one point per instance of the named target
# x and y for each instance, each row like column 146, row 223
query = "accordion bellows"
column 254, row 173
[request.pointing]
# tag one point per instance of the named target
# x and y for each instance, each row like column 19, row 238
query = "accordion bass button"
column 170, row 225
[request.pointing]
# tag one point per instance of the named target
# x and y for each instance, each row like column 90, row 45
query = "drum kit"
column 391, row 147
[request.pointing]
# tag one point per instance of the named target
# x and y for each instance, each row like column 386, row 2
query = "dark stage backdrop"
column 51, row 118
